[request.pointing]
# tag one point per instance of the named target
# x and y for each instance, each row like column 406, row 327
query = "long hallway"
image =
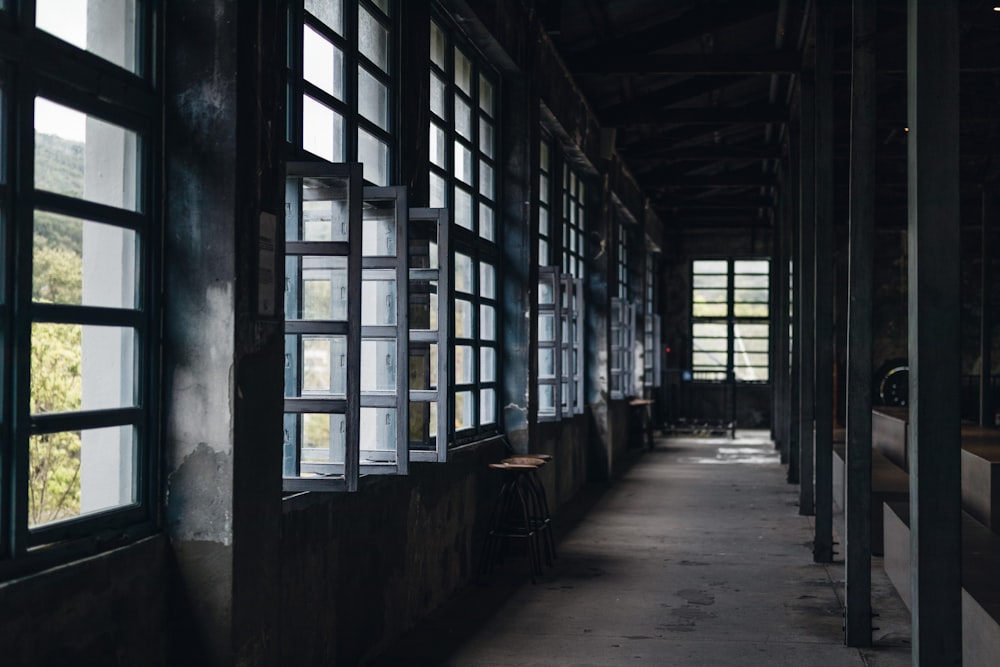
column 697, row 556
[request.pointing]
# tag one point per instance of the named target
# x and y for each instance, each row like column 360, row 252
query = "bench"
column 889, row 483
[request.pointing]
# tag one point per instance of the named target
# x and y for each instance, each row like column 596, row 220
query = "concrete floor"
column 697, row 556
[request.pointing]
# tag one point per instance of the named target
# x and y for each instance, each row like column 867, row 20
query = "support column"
column 858, row 479
column 795, row 294
column 986, row 410
column 823, row 396
column 806, row 283
column 779, row 324
column 934, row 352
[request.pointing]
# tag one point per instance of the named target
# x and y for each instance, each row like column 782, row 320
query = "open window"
column 429, row 318
column 622, row 348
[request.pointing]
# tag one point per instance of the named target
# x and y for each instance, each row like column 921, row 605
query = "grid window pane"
column 79, row 262
column 94, row 26
column 373, row 39
column 82, row 367
column 74, row 473
column 463, row 72
column 373, row 153
column 438, row 48
column 322, row 130
column 322, row 63
column 330, row 12
column 487, row 406
column 81, row 156
column 373, row 99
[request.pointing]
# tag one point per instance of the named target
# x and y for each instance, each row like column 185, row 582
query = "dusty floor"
column 697, row 556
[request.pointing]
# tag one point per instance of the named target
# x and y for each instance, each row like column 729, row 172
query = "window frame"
column 728, row 373
column 32, row 65
column 346, row 106
column 469, row 239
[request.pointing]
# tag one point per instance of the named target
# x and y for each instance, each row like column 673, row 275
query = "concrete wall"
column 105, row 610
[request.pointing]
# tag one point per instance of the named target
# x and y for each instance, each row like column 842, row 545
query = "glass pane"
column 424, row 306
column 374, row 154
column 81, row 367
column 437, row 96
column 546, row 327
column 323, row 437
column 752, row 280
column 486, row 138
column 742, row 330
column 423, row 366
column 373, row 99
column 79, row 262
column 379, row 228
column 323, row 365
column 546, row 399
column 546, row 295
column 486, row 95
column 439, row 191
column 330, row 12
column 383, row 5
column 437, row 45
column 714, row 329
column 465, row 407
column 487, row 281
column 750, row 295
column 378, row 365
column 710, row 280
column 81, row 156
column 487, row 406
column 463, row 118
column 486, row 184
column 463, row 208
column 546, row 363
column 751, row 266
column 322, row 130
column 106, row 29
column 543, row 188
column 710, row 266
column 438, row 146
column 487, row 323
column 709, row 309
column 708, row 359
column 750, row 309
column 423, row 424
column 463, row 72
column 487, row 228
column 73, row 473
column 463, row 273
column 322, row 63
column 378, row 298
column 373, row 39
column 487, row 364
column 378, row 434
column 465, row 364
column 463, row 163
column 463, row 319
column 316, row 288
column 322, row 220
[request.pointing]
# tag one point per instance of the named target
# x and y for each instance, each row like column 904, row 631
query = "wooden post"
column 794, row 184
column 934, row 352
column 858, row 582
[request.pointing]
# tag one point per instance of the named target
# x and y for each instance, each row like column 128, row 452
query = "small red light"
column 667, row 350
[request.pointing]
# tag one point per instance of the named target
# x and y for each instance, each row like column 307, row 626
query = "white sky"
column 67, row 20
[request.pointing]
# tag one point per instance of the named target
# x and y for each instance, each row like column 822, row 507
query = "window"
column 560, row 293
column 623, row 315
column 730, row 320
column 464, row 102
column 342, row 83
column 652, row 348
column 79, row 235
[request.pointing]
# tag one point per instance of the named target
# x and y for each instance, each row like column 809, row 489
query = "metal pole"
column 823, row 397
column 858, row 584
column 934, row 333
column 986, row 415
column 804, row 311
